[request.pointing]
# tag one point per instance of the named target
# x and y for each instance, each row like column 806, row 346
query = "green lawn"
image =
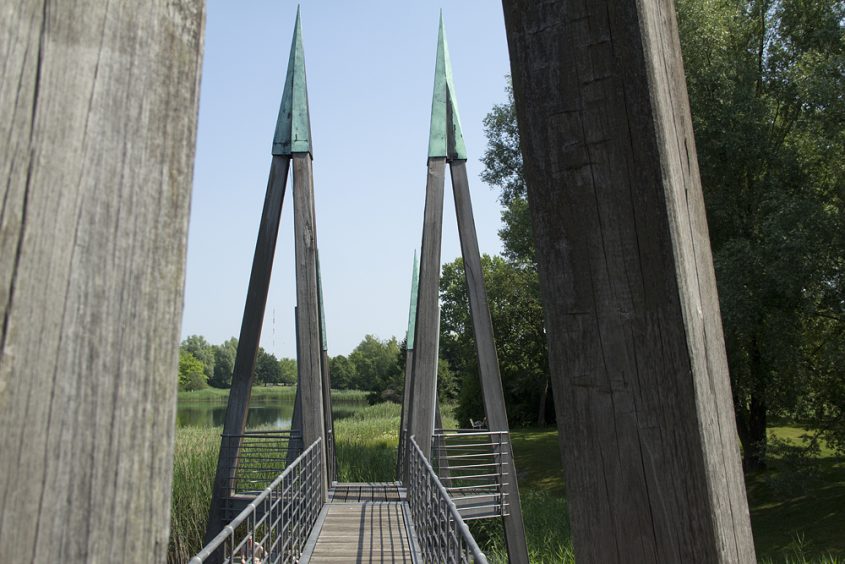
column 793, row 516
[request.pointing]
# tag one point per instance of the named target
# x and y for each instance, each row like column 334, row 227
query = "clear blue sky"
column 370, row 71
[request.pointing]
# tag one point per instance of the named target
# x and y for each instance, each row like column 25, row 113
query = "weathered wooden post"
column 635, row 339
column 446, row 144
column 291, row 142
column 409, row 363
column 98, row 110
column 325, row 374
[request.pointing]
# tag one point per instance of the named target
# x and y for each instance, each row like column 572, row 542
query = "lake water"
column 264, row 412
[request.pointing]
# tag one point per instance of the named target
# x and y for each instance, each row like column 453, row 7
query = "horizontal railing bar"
column 470, row 455
column 466, row 433
column 468, row 445
column 474, row 477
column 461, row 498
column 465, row 466
column 474, row 487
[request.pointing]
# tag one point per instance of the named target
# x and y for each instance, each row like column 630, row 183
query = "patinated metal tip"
column 412, row 314
column 445, row 137
column 293, row 127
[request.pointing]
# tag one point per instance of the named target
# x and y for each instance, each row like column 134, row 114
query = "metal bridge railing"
column 275, row 526
column 474, row 466
column 261, row 457
column 442, row 535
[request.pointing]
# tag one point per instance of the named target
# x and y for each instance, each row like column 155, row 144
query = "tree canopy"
column 765, row 81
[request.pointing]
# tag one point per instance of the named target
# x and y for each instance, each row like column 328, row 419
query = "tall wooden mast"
column 446, row 145
column 291, row 142
column 636, row 349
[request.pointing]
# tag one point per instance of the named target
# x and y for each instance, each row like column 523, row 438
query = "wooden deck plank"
column 364, row 523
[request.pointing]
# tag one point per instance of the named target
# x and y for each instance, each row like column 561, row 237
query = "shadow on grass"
column 797, row 517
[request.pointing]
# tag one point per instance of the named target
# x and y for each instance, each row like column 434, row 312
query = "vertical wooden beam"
column 404, row 418
column 295, row 447
column 325, row 373
column 632, row 316
column 307, row 304
column 409, row 363
column 488, row 361
column 243, row 374
column 98, row 108
column 427, row 332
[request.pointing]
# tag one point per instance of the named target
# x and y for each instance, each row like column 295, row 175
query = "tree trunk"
column 636, row 351
column 541, row 415
column 752, row 429
column 98, row 108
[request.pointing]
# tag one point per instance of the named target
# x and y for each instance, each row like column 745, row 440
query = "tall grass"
column 366, row 444
column 194, row 464
column 546, row 530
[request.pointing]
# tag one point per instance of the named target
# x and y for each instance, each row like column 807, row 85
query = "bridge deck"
column 362, row 523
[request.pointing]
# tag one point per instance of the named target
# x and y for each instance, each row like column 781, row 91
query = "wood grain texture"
column 427, row 332
column 243, row 373
column 98, row 110
column 405, row 413
column 636, row 349
column 488, row 361
column 307, row 306
column 364, row 532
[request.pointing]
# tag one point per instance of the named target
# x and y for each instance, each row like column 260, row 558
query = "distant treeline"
column 375, row 366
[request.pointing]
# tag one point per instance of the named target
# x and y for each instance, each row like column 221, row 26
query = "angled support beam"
column 488, row 361
column 325, row 373
column 244, row 370
column 409, row 364
column 636, row 349
column 294, row 448
column 307, row 306
column 427, row 332
column 291, row 141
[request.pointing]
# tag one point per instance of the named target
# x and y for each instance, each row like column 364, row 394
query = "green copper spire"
column 293, row 128
column 445, row 137
column 412, row 314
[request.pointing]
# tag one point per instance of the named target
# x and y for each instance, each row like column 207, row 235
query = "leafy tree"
column 267, row 369
column 765, row 81
column 288, row 370
column 224, row 363
column 202, row 351
column 520, row 341
column 502, row 162
column 343, row 373
column 377, row 369
column 191, row 372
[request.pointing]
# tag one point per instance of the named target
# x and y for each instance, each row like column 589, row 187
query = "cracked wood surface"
column 636, row 347
column 98, row 108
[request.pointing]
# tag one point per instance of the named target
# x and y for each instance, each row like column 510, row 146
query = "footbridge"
column 291, row 521
column 276, row 497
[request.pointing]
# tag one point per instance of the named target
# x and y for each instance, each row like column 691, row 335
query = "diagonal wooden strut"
column 244, row 370
column 446, row 145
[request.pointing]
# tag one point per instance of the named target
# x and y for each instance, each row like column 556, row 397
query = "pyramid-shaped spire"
column 412, row 314
column 293, row 128
column 445, row 137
